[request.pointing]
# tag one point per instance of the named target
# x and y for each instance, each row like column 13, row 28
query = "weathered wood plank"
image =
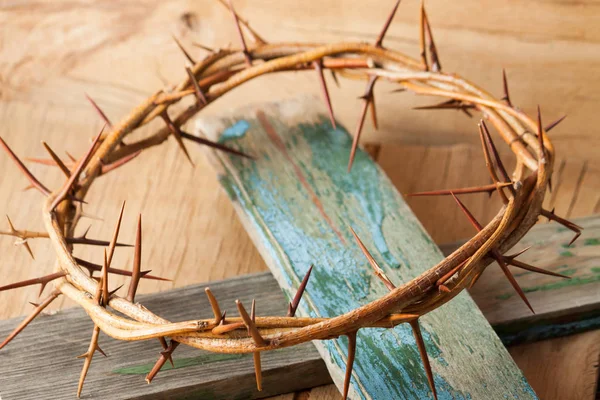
column 297, row 202
column 59, row 337
column 40, row 363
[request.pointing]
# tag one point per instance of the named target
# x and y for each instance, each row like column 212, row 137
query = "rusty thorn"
column 185, row 53
column 422, row 44
column 367, row 98
column 566, row 223
column 136, row 272
column 164, row 356
column 32, row 179
column 165, row 346
column 240, row 34
column 468, row 190
column 93, row 347
column 489, row 164
column 214, row 145
column 257, row 370
column 553, row 124
column 386, row 25
column 104, row 280
column 75, row 174
column 113, row 241
column 319, row 68
column 57, row 160
column 528, row 267
column 95, row 267
column 43, row 281
column 435, row 60
column 204, row 47
column 197, row 90
column 540, row 134
column 106, row 168
column 31, row 317
column 99, row 111
column 214, row 304
column 176, row 134
column 334, row 77
column 377, row 269
column 416, row 328
column 349, row 363
column 506, row 96
column 258, row 339
column 293, row 306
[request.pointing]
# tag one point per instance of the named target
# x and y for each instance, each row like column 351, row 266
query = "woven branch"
column 225, row 70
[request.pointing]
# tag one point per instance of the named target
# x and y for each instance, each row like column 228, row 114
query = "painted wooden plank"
column 40, row 363
column 297, row 202
column 562, row 306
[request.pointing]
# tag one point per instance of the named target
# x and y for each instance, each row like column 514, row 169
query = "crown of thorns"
column 207, row 80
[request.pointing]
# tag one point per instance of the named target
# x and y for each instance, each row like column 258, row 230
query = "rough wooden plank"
column 297, row 202
column 40, row 363
column 562, row 306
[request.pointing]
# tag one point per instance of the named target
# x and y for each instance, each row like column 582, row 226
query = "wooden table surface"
column 54, row 52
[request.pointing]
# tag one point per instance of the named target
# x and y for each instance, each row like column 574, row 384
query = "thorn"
column 197, row 90
column 88, row 358
column 214, row 145
column 252, row 313
column 57, row 160
column 488, row 162
column 30, row 318
column 32, row 179
column 367, row 97
column 566, row 223
column 241, row 34
column 185, row 53
column 378, row 271
column 99, row 111
column 214, row 304
column 435, row 60
column 177, row 135
column 423, row 352
column 164, row 356
column 505, row 88
column 26, row 245
column 43, row 281
column 495, row 255
column 113, row 241
column 255, row 36
column 95, row 267
column 517, row 254
column 468, row 190
column 540, row 134
column 349, row 363
column 422, row 44
column 512, row 280
column 551, row 125
column 258, row 340
column 499, row 162
column 204, row 47
column 165, row 346
column 448, row 105
column 293, row 306
column 525, row 266
column 373, row 113
column 319, row 68
column 440, row 282
column 106, row 168
column 386, row 25
column 335, row 78
column 75, row 174
column 137, row 262
column 104, row 280
column 257, row 370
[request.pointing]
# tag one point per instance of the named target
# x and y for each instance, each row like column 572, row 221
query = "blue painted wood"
column 298, row 202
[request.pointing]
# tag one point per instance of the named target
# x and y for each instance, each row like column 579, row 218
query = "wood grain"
column 41, row 362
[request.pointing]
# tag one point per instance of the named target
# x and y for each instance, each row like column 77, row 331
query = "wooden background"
column 120, row 52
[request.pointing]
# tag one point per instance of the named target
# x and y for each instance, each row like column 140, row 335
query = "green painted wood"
column 297, row 202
